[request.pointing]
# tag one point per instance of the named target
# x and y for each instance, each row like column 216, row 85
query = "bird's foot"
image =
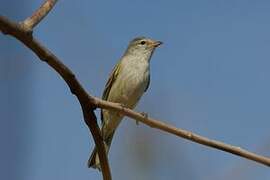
column 122, row 105
column 144, row 114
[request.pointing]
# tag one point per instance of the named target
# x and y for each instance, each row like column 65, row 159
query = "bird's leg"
column 144, row 114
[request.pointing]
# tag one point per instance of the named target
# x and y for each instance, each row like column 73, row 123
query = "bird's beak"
column 157, row 43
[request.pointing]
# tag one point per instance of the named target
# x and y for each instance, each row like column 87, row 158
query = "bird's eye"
column 142, row 42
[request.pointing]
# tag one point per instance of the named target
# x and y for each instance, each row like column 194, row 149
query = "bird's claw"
column 120, row 104
column 144, row 114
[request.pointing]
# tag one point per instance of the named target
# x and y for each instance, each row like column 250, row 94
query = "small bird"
column 128, row 81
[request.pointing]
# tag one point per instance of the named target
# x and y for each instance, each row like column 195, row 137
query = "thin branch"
column 30, row 22
column 180, row 132
column 88, row 102
column 16, row 30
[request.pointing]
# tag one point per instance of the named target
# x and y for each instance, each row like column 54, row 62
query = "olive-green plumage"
column 128, row 81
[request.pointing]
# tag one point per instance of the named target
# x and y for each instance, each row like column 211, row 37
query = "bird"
column 128, row 81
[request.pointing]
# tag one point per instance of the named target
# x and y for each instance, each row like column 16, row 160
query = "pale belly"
column 127, row 90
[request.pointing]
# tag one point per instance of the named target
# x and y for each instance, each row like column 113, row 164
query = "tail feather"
column 93, row 161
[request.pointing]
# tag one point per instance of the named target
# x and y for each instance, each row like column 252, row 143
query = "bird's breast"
column 130, row 84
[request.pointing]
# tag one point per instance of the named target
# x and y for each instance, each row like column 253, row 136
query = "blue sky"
column 210, row 76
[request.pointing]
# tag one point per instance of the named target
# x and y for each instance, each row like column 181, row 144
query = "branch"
column 19, row 32
column 180, row 132
column 88, row 103
column 38, row 15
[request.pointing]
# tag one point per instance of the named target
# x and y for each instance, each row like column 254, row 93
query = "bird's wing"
column 148, row 83
column 109, row 84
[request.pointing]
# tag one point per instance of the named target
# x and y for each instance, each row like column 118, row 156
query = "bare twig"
column 18, row 31
column 88, row 103
column 181, row 132
column 30, row 22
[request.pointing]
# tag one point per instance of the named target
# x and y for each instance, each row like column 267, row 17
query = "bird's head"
column 142, row 45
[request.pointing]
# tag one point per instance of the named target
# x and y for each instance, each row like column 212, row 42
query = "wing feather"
column 148, row 83
column 109, row 84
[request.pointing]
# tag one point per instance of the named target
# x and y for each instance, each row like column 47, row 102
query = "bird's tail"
column 93, row 161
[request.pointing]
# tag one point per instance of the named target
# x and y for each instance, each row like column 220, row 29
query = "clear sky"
column 210, row 76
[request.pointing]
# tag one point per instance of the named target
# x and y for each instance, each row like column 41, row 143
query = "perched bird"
column 128, row 81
